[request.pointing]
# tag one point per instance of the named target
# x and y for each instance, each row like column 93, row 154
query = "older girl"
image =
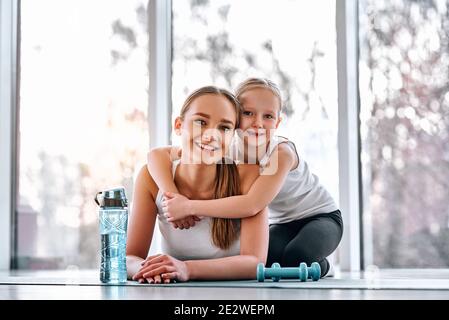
column 217, row 248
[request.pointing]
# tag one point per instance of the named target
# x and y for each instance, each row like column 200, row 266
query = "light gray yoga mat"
column 326, row 283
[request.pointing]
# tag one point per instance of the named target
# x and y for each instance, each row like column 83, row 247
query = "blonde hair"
column 227, row 182
column 253, row 83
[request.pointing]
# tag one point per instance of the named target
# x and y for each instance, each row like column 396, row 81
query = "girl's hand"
column 175, row 206
column 185, row 223
column 165, row 267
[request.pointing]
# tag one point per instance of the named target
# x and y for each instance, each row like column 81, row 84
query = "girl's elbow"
column 258, row 258
column 255, row 210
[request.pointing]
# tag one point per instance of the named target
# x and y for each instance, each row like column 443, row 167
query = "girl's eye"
column 200, row 122
column 226, row 129
column 247, row 113
column 269, row 116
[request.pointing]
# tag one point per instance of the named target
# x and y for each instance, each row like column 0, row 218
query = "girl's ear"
column 177, row 126
column 279, row 121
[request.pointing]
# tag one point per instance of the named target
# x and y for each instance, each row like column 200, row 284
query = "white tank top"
column 301, row 195
column 190, row 244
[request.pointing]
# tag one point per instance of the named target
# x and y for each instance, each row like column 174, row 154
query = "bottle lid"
column 112, row 198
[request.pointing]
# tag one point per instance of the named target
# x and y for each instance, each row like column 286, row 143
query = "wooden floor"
column 61, row 285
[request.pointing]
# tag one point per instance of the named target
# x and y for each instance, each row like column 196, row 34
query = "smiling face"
column 260, row 115
column 207, row 128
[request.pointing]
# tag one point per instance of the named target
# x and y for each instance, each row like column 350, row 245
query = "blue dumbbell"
column 276, row 272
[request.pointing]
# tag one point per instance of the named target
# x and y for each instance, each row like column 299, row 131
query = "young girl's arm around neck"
column 262, row 192
column 159, row 163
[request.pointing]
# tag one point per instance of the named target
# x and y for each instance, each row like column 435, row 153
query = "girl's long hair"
column 224, row 231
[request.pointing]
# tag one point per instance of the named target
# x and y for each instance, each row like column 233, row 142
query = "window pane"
column 224, row 42
column 83, row 121
column 404, row 63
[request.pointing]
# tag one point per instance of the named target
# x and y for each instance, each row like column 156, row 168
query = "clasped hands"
column 176, row 208
column 161, row 268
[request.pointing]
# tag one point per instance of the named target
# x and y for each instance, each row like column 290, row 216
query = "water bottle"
column 113, row 215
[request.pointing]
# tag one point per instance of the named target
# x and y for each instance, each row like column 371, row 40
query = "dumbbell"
column 276, row 272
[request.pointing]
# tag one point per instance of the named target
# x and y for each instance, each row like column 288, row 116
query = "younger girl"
column 216, row 248
column 305, row 223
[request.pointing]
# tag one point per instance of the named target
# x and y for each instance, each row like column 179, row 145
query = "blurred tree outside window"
column 83, row 122
column 404, row 93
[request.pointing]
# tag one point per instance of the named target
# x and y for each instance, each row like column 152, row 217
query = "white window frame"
column 159, row 107
column 348, row 133
column 8, row 128
column 160, row 102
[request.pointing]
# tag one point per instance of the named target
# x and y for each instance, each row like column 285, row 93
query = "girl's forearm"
column 159, row 166
column 229, row 268
column 230, row 207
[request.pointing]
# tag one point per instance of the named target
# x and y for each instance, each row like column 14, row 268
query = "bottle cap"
column 112, row 198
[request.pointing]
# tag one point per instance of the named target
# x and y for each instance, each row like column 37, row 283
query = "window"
column 404, row 63
column 83, row 122
column 224, row 42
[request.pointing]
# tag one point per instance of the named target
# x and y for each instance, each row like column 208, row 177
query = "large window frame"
column 159, row 117
column 9, row 20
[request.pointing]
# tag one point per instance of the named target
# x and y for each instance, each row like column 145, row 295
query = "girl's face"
column 207, row 129
column 260, row 116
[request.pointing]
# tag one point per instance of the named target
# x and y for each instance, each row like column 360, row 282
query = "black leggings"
column 305, row 240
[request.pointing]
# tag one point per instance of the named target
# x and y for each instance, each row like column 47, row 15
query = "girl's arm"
column 159, row 164
column 262, row 192
column 253, row 250
column 160, row 167
column 141, row 221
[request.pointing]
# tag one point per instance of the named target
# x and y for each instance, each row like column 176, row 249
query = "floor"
column 81, row 285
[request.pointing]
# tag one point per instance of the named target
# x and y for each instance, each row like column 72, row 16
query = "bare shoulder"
column 248, row 174
column 283, row 153
column 145, row 182
column 173, row 151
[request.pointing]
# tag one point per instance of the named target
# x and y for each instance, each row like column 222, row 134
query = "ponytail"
column 227, row 184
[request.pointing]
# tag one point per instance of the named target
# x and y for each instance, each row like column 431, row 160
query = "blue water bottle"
column 113, row 215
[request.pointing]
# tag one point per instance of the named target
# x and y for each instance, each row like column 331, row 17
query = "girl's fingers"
column 149, row 258
column 152, row 267
column 157, row 279
column 169, row 275
column 154, row 259
column 149, row 280
column 159, row 271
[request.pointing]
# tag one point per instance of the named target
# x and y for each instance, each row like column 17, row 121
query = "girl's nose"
column 257, row 123
column 209, row 135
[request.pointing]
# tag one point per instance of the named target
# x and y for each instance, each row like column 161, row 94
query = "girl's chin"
column 206, row 158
